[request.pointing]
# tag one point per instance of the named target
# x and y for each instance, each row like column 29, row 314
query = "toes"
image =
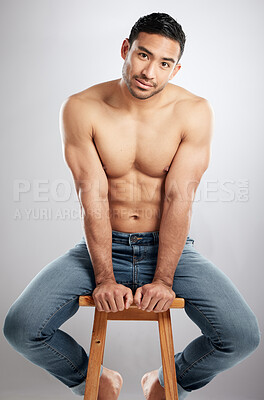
column 144, row 378
column 119, row 381
column 143, row 384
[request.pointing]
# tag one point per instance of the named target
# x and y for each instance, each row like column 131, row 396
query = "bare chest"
column 145, row 145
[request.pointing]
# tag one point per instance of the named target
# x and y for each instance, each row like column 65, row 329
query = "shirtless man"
column 137, row 148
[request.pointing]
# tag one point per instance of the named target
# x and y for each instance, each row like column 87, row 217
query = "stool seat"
column 132, row 313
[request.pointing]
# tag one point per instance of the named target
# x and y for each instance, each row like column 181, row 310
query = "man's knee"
column 250, row 335
column 244, row 338
column 16, row 328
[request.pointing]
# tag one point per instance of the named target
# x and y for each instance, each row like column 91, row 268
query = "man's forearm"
column 98, row 233
column 174, row 228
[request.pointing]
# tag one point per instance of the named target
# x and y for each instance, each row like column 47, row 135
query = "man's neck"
column 133, row 104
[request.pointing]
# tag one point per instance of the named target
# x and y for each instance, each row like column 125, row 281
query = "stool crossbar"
column 132, row 314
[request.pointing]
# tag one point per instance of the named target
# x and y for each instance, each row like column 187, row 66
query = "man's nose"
column 149, row 71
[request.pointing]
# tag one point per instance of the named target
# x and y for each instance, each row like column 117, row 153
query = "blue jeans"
column 229, row 328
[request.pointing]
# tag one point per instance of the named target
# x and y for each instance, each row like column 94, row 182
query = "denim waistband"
column 138, row 238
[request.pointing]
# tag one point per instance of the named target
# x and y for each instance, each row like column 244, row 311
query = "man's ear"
column 174, row 72
column 125, row 48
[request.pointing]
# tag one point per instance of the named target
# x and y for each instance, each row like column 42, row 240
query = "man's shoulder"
column 87, row 103
column 95, row 93
column 196, row 112
column 185, row 98
column 191, row 106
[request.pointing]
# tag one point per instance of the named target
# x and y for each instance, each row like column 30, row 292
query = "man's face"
column 149, row 64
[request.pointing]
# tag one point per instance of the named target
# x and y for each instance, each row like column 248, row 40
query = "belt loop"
column 156, row 237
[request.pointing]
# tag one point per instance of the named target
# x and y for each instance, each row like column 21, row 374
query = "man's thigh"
column 212, row 300
column 52, row 295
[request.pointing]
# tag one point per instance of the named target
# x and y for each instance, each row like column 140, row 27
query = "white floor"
column 123, row 396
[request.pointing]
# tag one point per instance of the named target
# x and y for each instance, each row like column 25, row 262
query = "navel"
column 134, row 216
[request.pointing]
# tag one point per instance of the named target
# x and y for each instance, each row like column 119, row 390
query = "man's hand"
column 110, row 296
column 155, row 296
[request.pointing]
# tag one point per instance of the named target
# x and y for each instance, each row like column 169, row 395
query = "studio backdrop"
column 51, row 49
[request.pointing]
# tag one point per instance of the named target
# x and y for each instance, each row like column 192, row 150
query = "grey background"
column 52, row 49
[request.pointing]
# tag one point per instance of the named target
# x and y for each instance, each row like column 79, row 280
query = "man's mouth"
column 143, row 84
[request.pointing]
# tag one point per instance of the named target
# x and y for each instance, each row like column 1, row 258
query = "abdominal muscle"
column 136, row 206
column 144, row 219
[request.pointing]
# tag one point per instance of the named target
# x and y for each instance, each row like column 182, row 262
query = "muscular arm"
column 183, row 178
column 92, row 190
column 90, row 183
column 188, row 166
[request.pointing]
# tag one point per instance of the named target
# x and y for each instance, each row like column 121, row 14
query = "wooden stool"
column 135, row 314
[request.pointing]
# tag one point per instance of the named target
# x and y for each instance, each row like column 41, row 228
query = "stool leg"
column 96, row 355
column 167, row 355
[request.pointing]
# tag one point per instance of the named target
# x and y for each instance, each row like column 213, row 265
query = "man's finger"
column 153, row 302
column 164, row 307
column 112, row 304
column 119, row 302
column 146, row 301
column 128, row 299
column 105, row 305
column 160, row 306
column 98, row 305
column 137, row 297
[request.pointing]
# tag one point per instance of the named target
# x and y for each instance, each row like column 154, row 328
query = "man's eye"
column 143, row 55
column 166, row 64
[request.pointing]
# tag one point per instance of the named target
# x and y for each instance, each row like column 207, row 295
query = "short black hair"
column 159, row 23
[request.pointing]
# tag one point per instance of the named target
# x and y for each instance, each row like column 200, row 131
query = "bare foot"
column 110, row 385
column 152, row 389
